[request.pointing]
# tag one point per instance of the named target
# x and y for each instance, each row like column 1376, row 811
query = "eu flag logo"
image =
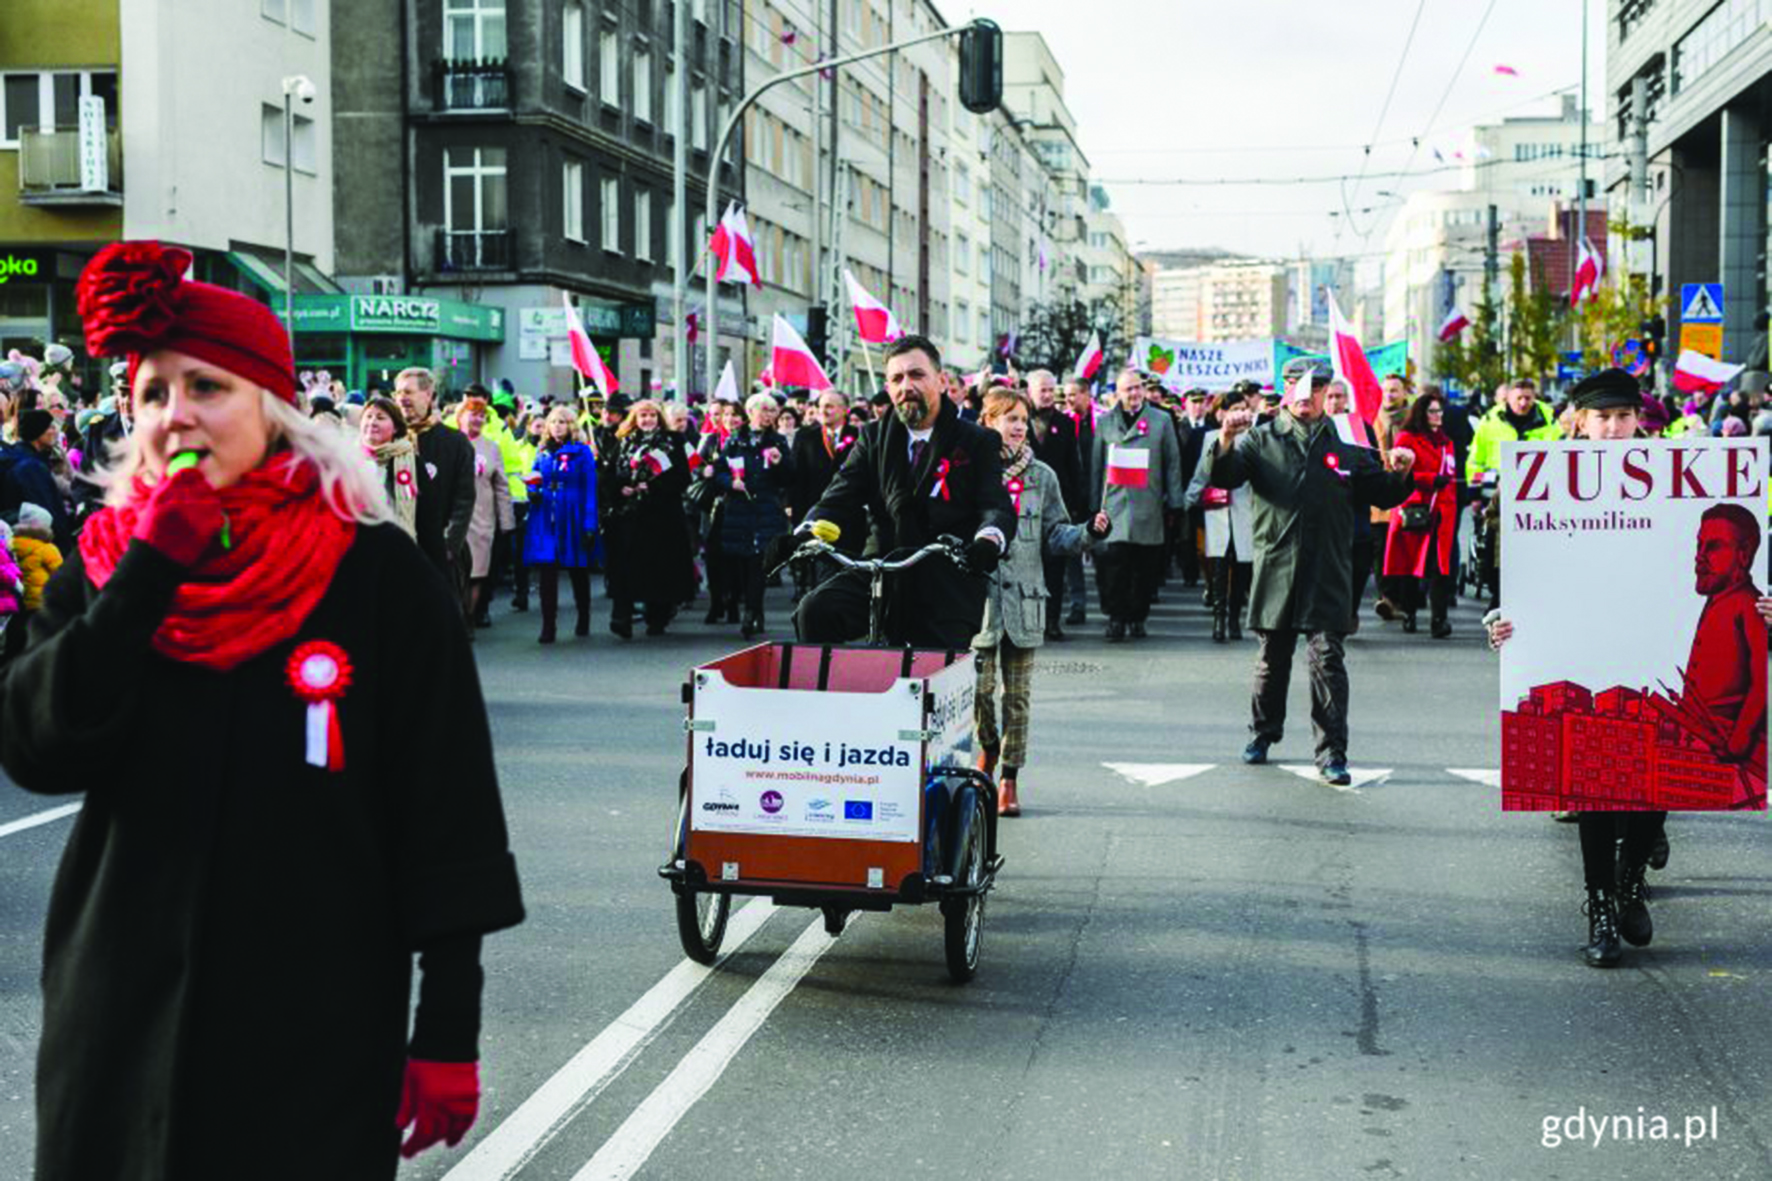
column 858, row 810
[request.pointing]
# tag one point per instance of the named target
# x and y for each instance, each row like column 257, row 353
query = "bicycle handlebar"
column 952, row 547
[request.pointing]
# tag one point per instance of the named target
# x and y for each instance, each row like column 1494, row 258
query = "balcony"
column 473, row 250
column 471, row 85
column 49, row 169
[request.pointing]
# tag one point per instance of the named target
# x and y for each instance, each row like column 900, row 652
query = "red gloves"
column 182, row 517
column 439, row 1100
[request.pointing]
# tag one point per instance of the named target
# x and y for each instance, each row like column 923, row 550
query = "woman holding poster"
column 1423, row 530
column 1709, row 733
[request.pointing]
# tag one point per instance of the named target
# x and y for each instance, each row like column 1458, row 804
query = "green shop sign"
column 410, row 314
column 28, row 267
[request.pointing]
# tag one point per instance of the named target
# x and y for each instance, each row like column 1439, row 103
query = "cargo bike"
column 838, row 778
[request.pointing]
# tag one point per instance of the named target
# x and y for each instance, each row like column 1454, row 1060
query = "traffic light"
column 818, row 331
column 981, row 67
column 1654, row 331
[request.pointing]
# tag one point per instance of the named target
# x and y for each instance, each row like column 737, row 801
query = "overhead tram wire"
column 1415, row 146
column 1383, row 110
column 1325, row 178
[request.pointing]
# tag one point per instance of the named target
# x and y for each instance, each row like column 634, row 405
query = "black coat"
column 230, row 937
column 1086, row 492
column 1191, row 438
column 646, row 538
column 1053, row 436
column 26, row 479
column 815, row 464
column 957, row 490
column 445, row 494
column 750, row 518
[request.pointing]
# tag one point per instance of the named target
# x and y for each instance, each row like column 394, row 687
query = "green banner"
column 1389, row 358
column 415, row 315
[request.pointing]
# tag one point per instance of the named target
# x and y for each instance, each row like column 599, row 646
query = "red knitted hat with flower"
column 134, row 299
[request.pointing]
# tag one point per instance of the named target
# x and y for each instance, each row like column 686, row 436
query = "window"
column 962, row 254
column 612, row 214
column 642, row 225
column 572, row 45
column 301, row 16
column 473, row 29
column 305, row 145
column 474, row 190
column 609, row 68
column 672, row 104
column 274, row 10
column 21, row 105
column 572, row 187
column 962, row 320
column 51, row 99
column 271, row 134
column 304, row 141
column 984, row 327
column 700, row 11
column 698, row 116
column 1712, row 38
column 643, row 86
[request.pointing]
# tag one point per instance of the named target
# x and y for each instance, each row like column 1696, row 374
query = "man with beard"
column 1053, row 436
column 445, row 474
column 918, row 474
column 1726, row 671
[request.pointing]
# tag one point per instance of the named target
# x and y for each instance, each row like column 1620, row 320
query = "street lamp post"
column 296, row 86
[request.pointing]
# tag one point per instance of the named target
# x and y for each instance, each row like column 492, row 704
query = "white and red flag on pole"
column 735, row 252
column 1089, row 363
column 585, row 357
column 1695, row 373
column 873, row 319
column 1128, row 467
column 1349, row 362
column 1454, row 323
column 692, row 327
column 1590, row 268
column 792, row 363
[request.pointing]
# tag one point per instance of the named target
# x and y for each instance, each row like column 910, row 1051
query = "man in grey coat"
column 1135, row 478
column 1307, row 484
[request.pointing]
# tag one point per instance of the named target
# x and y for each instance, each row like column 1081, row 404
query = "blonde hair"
column 561, row 410
column 632, row 421
column 349, row 482
column 999, row 402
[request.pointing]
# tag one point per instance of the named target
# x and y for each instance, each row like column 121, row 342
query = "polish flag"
column 1454, row 323
column 1507, row 71
column 1128, row 467
column 585, row 357
column 1090, row 361
column 873, row 319
column 727, row 390
column 692, row 327
column 1589, row 270
column 1006, row 346
column 792, row 362
column 1695, row 373
column 1350, row 364
column 735, row 252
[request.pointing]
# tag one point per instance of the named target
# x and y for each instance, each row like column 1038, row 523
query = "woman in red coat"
column 1424, row 530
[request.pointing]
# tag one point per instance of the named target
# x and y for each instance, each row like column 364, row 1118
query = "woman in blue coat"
column 562, row 520
column 755, row 473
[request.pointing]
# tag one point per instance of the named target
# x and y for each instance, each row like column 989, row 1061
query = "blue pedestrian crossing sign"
column 1701, row 303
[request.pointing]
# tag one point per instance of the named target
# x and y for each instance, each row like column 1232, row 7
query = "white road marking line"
column 48, row 817
column 1361, row 776
column 529, row 1129
column 1477, row 775
column 1157, row 774
column 633, row 1143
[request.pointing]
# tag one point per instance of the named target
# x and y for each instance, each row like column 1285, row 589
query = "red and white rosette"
column 320, row 672
column 1015, row 490
column 408, row 486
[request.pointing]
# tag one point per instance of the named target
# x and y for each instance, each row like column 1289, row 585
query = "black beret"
column 32, row 423
column 1608, row 389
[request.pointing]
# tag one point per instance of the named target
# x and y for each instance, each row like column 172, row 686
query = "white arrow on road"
column 1477, row 775
column 1157, row 774
column 1362, row 776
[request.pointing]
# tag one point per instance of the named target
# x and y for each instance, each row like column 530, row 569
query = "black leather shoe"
column 1054, row 632
column 1658, row 851
column 623, row 629
column 1633, row 907
column 1603, row 949
column 1236, row 625
column 1255, row 753
column 1218, row 628
column 1075, row 618
column 1409, row 624
column 1441, row 629
column 1116, row 631
column 1135, row 630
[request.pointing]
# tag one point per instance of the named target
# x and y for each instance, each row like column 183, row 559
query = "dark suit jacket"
column 1053, row 437
column 1085, row 426
column 445, row 494
column 814, row 466
column 956, row 490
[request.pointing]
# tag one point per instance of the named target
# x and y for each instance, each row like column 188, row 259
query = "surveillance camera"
column 305, row 91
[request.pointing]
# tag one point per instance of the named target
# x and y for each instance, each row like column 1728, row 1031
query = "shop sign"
column 27, row 267
column 396, row 313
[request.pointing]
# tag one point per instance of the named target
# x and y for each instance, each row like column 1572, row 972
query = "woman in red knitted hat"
column 267, row 697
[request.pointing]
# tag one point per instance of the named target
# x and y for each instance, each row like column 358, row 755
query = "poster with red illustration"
column 1636, row 675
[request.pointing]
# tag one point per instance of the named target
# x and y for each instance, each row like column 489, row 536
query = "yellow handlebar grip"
column 827, row 531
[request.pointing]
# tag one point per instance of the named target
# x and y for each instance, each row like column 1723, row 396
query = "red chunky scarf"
column 245, row 600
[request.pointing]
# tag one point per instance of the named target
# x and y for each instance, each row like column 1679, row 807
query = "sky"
column 1284, row 90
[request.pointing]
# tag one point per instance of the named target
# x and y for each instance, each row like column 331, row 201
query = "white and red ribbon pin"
column 320, row 672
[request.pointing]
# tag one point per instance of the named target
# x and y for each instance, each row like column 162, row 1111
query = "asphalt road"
column 1238, row 973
